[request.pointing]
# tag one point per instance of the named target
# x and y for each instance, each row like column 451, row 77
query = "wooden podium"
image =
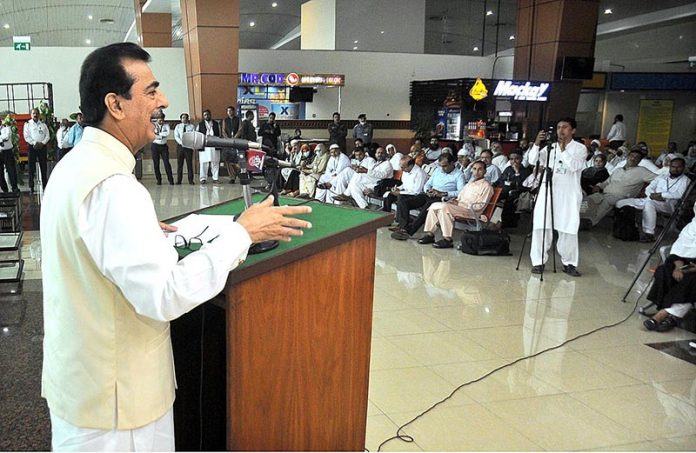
column 298, row 329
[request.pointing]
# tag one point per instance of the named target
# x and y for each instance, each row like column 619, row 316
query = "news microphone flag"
column 255, row 160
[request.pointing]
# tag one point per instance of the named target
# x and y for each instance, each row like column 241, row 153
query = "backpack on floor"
column 625, row 227
column 485, row 242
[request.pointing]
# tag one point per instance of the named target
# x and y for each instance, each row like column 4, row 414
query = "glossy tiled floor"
column 442, row 319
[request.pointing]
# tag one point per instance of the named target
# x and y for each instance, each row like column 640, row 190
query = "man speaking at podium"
column 111, row 281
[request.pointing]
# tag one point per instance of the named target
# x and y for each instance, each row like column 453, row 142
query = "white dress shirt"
column 161, row 133
column 180, row 129
column 617, row 132
column 136, row 256
column 60, row 135
column 396, row 161
column 671, row 189
column 36, row 132
column 500, row 161
column 337, row 164
column 5, row 138
column 412, row 182
column 645, row 163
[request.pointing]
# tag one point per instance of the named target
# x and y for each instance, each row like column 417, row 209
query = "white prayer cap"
column 596, row 142
column 462, row 152
column 334, row 146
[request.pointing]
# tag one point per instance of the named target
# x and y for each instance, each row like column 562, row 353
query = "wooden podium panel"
column 298, row 352
column 298, row 323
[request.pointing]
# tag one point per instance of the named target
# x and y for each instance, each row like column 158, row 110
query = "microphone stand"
column 244, row 180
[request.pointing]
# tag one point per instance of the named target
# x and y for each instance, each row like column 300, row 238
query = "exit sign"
column 21, row 42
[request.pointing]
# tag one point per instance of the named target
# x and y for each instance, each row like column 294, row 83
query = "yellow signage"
column 655, row 123
column 478, row 91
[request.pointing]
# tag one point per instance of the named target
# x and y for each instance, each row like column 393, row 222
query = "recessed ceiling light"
column 608, row 11
column 106, row 21
column 381, row 32
column 512, row 37
column 476, row 48
column 6, row 26
column 88, row 41
column 355, row 48
column 252, row 24
column 681, row 36
column 274, row 4
column 90, row 17
column 489, row 13
column 355, row 42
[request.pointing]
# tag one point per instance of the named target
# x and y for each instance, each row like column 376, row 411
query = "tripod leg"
column 553, row 228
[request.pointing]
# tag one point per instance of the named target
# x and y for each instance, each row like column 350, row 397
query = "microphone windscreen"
column 193, row 140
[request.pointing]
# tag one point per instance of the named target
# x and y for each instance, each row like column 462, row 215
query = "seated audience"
column 418, row 155
column 625, row 182
column 492, row 172
column 671, row 149
column 644, row 162
column 511, row 182
column 470, row 202
column 337, row 163
column 361, row 163
column 674, row 289
column 413, row 178
column 661, row 196
column 500, row 160
column 615, row 157
column 300, row 161
column 691, row 157
column 310, row 176
column 595, row 150
column 595, row 174
column 362, row 184
column 432, row 153
column 447, row 181
column 394, row 157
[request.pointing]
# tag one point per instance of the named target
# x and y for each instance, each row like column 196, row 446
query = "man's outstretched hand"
column 265, row 222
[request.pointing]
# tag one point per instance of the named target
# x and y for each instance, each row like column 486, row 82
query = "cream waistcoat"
column 104, row 366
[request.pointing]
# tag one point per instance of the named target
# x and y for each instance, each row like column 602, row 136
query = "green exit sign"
column 22, row 46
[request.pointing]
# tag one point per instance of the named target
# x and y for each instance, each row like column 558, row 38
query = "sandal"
column 669, row 323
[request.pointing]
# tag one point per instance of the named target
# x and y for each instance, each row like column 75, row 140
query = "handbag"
column 524, row 202
column 485, row 242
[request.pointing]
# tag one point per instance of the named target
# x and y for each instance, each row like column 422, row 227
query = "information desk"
column 292, row 330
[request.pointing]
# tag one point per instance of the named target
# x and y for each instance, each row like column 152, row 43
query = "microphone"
column 198, row 140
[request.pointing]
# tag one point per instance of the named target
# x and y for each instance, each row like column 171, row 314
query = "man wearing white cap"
column 364, row 180
column 337, row 163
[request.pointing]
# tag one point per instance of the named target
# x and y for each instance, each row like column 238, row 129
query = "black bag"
column 486, row 242
column 625, row 227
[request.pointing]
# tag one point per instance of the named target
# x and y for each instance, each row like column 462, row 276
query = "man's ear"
column 114, row 106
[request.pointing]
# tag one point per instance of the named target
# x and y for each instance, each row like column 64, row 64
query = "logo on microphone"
column 255, row 160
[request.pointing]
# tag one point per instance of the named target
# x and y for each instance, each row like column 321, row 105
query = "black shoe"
column 400, row 235
column 571, row 270
column 585, row 224
column 538, row 269
column 191, row 183
column 159, row 183
column 426, row 239
column 444, row 244
column 178, row 183
column 647, row 237
column 232, row 181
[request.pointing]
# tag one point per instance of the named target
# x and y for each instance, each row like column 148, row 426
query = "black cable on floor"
column 409, row 439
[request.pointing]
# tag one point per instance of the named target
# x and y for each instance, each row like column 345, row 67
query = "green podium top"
column 331, row 224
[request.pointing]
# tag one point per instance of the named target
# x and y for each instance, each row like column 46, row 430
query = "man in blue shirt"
column 74, row 135
column 447, row 181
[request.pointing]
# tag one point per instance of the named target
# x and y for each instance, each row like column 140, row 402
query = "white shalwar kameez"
column 209, row 157
column 153, row 279
column 567, row 167
column 333, row 168
column 361, row 181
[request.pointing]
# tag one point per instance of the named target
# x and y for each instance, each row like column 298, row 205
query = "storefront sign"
column 478, row 91
column 527, row 91
column 291, row 79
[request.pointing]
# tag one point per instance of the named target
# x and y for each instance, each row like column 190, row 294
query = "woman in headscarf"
column 674, row 288
column 301, row 160
column 309, row 176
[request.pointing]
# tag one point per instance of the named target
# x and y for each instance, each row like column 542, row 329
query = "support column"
column 211, row 50
column 154, row 29
column 547, row 31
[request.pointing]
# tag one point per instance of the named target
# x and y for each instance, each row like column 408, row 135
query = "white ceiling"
column 637, row 33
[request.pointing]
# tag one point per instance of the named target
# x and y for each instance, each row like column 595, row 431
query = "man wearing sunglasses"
column 111, row 281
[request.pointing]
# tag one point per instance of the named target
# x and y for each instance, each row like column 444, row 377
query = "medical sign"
column 523, row 91
column 291, row 79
